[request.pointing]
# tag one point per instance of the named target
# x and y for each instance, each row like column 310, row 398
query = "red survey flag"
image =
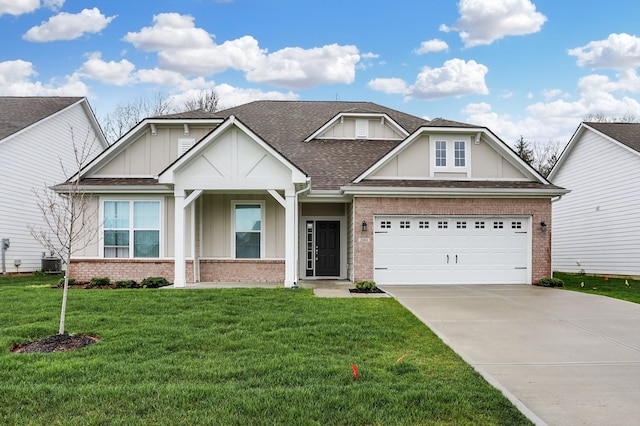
column 355, row 371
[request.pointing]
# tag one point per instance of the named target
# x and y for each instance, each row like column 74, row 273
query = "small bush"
column 72, row 281
column 154, row 282
column 126, row 284
column 366, row 285
column 550, row 282
column 99, row 282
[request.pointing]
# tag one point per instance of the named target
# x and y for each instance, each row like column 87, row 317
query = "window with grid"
column 441, row 153
column 459, row 154
column 131, row 229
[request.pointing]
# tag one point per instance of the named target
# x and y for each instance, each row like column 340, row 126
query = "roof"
column 18, row 113
column 186, row 115
column 625, row 133
column 330, row 163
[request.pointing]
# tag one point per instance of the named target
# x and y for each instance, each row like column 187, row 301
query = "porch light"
column 543, row 226
column 364, row 226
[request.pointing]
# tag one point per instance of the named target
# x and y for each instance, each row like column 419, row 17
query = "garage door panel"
column 451, row 250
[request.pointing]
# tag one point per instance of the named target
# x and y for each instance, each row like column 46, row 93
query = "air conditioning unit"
column 51, row 265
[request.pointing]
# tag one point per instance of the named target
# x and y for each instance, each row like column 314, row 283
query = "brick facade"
column 231, row 270
column 538, row 208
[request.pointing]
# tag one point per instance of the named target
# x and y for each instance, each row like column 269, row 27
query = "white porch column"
column 179, row 269
column 290, row 239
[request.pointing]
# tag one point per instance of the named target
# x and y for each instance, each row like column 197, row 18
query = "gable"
column 232, row 157
column 361, row 127
column 484, row 159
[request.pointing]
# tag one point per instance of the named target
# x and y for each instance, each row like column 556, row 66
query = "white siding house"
column 596, row 227
column 35, row 140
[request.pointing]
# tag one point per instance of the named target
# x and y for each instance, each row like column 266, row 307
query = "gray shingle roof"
column 17, row 113
column 330, row 163
column 626, row 133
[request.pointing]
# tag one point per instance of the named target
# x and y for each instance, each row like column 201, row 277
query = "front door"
column 327, row 238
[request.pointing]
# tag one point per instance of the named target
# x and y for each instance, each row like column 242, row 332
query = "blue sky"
column 535, row 68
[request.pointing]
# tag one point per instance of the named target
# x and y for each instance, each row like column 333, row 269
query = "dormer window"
column 449, row 155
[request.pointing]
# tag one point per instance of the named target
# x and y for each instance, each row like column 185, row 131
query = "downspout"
column 296, row 276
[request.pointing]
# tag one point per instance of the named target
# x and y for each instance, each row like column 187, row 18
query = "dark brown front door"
column 327, row 248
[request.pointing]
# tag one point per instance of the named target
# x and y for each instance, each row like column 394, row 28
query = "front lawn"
column 601, row 285
column 232, row 357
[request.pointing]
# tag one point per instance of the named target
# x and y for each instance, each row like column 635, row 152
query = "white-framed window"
column 131, row 228
column 248, row 229
column 450, row 154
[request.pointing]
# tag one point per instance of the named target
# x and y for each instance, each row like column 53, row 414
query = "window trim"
column 131, row 200
column 450, row 161
column 232, row 221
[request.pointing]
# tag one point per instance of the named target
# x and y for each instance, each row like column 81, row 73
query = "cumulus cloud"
column 618, row 51
column 456, row 77
column 19, row 7
column 551, row 93
column 435, row 45
column 68, row 26
column 115, row 73
column 16, row 79
column 298, row 68
column 184, row 48
column 483, row 22
column 231, row 96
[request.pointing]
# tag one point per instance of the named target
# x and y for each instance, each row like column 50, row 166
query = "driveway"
column 562, row 357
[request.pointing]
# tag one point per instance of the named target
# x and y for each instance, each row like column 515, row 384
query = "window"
column 461, row 225
column 498, row 225
column 405, row 224
column 480, row 224
column 424, row 224
column 441, row 153
column 385, row 224
column 443, row 224
column 459, row 154
column 516, row 225
column 131, row 229
column 248, row 230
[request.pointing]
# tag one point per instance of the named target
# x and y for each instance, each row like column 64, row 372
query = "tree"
column 127, row 115
column 71, row 223
column 206, row 100
column 540, row 156
column 523, row 150
column 603, row 118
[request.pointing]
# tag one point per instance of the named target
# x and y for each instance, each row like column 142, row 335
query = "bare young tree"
column 540, row 156
column 207, row 100
column 127, row 115
column 71, row 224
column 603, row 118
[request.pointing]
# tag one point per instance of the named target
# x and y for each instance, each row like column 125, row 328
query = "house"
column 283, row 191
column 597, row 225
column 36, row 141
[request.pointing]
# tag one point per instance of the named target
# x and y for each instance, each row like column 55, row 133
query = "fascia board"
column 452, row 192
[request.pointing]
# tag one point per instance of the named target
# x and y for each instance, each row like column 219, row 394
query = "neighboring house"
column 35, row 141
column 283, row 191
column 597, row 225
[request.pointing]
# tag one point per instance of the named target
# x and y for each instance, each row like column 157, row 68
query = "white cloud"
column 618, row 51
column 551, row 93
column 16, row 80
column 230, row 96
column 68, row 26
column 19, row 7
column 115, row 73
column 184, row 48
column 435, row 45
column 297, row 68
column 483, row 22
column 456, row 77
column 388, row 85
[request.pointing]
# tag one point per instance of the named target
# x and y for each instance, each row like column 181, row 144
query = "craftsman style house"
column 283, row 191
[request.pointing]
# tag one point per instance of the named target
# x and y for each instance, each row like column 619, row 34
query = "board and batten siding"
column 31, row 160
column 596, row 227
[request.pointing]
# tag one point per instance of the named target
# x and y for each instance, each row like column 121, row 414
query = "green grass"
column 594, row 284
column 232, row 357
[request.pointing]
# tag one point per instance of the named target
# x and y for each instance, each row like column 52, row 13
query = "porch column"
column 179, row 269
column 290, row 239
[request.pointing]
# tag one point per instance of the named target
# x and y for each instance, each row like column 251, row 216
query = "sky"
column 530, row 68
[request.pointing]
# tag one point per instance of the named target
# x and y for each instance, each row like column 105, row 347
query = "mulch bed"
column 55, row 343
column 363, row 291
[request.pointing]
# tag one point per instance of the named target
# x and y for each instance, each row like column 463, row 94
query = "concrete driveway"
column 563, row 358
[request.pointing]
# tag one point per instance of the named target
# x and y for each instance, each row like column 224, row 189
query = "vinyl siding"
column 31, row 160
column 596, row 227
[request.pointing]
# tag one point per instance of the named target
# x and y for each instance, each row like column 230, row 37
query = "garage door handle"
column 447, row 259
column 456, row 259
column 381, row 269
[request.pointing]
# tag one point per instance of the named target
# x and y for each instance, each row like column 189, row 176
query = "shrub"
column 550, row 282
column 99, row 282
column 72, row 281
column 154, row 282
column 366, row 285
column 126, row 284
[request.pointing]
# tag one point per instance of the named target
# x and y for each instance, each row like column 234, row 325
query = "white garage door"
column 451, row 250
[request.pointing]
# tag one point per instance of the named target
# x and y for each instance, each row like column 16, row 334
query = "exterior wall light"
column 364, row 226
column 543, row 225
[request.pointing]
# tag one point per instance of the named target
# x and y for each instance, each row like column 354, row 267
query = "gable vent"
column 184, row 145
column 362, row 128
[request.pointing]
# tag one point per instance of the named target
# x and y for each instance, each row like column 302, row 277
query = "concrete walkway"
column 562, row 357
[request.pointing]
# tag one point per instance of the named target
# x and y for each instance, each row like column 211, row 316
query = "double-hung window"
column 131, row 229
column 441, row 153
column 248, row 230
column 450, row 155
